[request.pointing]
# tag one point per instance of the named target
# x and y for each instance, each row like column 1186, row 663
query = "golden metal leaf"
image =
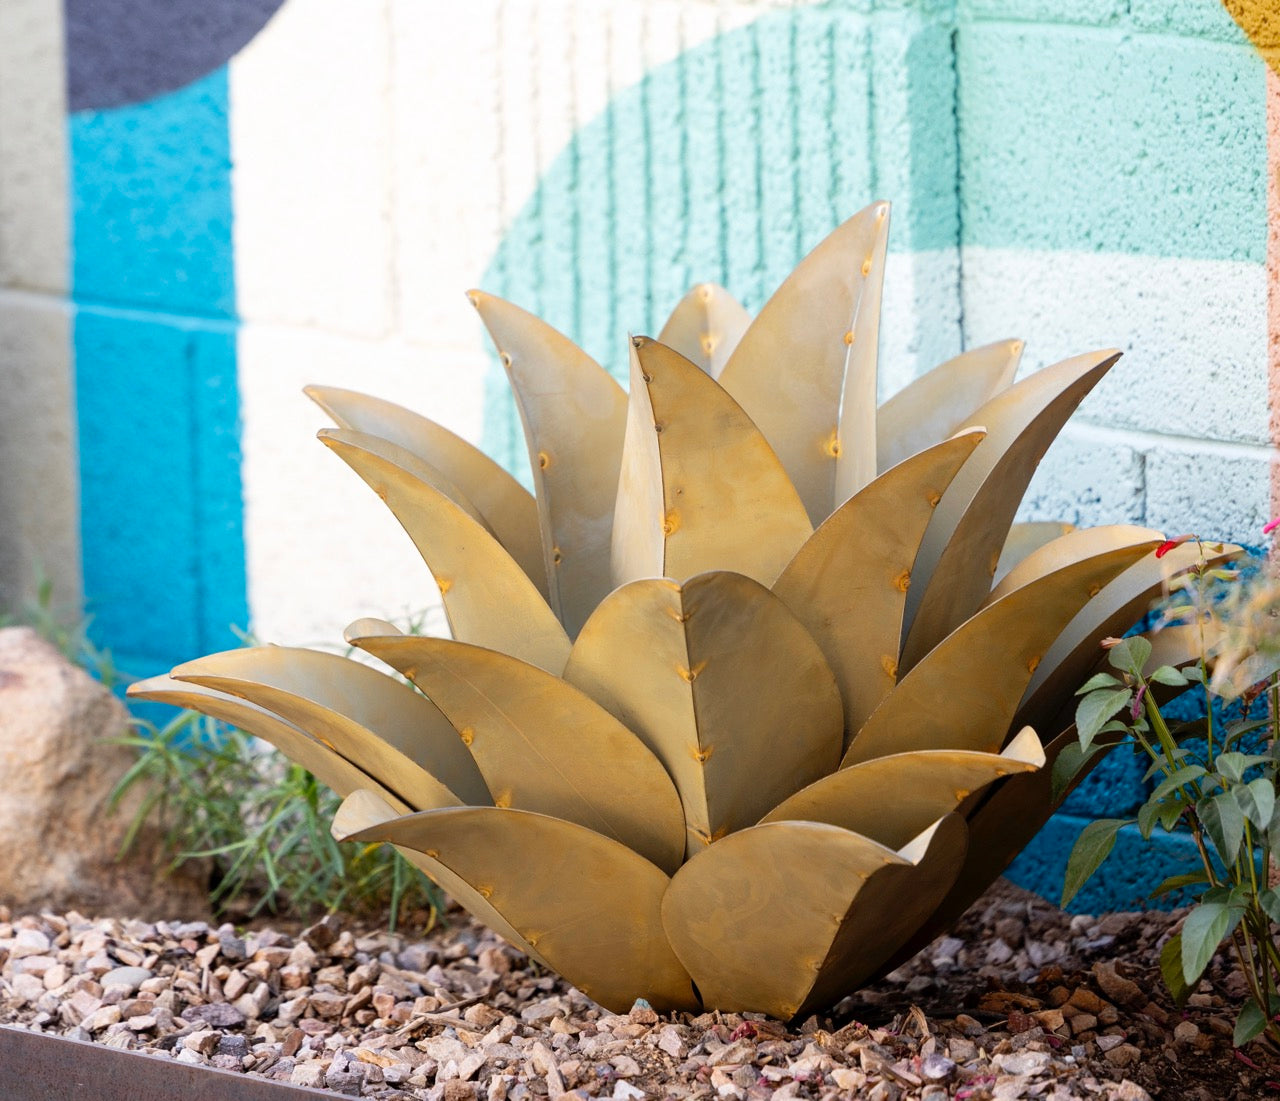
column 754, row 917
column 700, row 488
column 366, row 810
column 848, row 583
column 378, row 724
column 588, row 905
column 504, row 506
column 892, row 799
column 705, row 327
column 488, row 599
column 1023, row 539
column 961, row 549
column 722, row 682
column 964, row 692
column 804, row 371
column 1115, row 609
column 574, row 417
column 329, row 767
column 895, row 900
column 1074, row 546
column 544, row 746
column 944, row 400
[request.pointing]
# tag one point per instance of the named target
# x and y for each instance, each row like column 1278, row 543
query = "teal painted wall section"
column 155, row 353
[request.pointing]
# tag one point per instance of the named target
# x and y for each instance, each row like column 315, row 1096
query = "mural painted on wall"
column 262, row 195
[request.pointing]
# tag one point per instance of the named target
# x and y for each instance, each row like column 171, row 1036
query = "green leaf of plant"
column 1177, row 882
column 1092, row 847
column 1234, row 765
column 1224, row 823
column 1170, row 812
column 1067, row 764
column 1269, row 900
column 1096, row 708
column 1148, row 815
column 1249, row 1024
column 1098, row 680
column 1171, row 969
column 1206, row 927
column 1167, row 674
column 1257, row 801
column 1178, row 778
column 1130, row 655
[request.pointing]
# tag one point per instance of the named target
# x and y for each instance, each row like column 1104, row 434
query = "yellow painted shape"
column 1260, row 20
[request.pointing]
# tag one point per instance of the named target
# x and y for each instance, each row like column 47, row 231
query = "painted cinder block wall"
column 205, row 206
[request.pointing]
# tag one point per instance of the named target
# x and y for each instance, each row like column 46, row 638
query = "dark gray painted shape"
column 125, row 51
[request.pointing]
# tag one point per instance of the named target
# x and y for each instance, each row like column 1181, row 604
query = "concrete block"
column 1124, row 881
column 159, row 484
column 1114, row 789
column 33, row 147
column 1084, row 480
column 1217, row 494
column 1193, row 332
column 311, row 130
column 152, row 203
column 1092, row 12
column 1206, row 19
column 1160, row 152
column 39, row 496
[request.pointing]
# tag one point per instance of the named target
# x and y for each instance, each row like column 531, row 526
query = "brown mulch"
column 1021, row 1000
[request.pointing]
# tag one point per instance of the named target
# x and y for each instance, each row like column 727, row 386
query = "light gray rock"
column 57, row 769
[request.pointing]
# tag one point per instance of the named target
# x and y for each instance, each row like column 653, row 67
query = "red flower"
column 1168, row 545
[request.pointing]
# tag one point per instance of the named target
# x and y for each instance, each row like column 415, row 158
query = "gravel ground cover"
column 1021, row 1000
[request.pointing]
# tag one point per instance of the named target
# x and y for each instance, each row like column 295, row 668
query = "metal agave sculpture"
column 732, row 715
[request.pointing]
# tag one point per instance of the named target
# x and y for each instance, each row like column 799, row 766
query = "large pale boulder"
column 58, row 765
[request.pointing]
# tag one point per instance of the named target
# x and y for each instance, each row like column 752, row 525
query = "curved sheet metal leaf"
column 944, row 400
column 700, row 488
column 1073, row 546
column 574, row 417
column 542, row 745
column 504, row 506
column 1112, row 612
column 805, row 369
column 893, row 799
column 366, row 810
column 963, row 695
column 488, row 599
column 325, row 764
column 588, row 905
column 1025, row 538
column 378, row 724
column 723, row 684
column 961, row 549
column 705, row 327
column 754, row 918
column 848, row 583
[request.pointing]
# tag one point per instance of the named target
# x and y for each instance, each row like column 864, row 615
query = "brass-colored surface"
column 700, row 488
column 1025, row 538
column 848, row 583
column 588, row 905
column 488, row 599
column 574, row 416
column 963, row 693
column 892, row 799
column 894, row 901
column 705, row 327
column 1071, row 547
column 788, row 371
column 542, row 745
column 753, row 917
column 942, row 401
column 328, row 766
column 722, row 682
column 378, row 724
column 961, row 549
column 501, row 503
column 1115, row 609
column 366, row 810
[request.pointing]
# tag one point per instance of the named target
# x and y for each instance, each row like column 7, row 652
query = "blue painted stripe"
column 162, row 518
